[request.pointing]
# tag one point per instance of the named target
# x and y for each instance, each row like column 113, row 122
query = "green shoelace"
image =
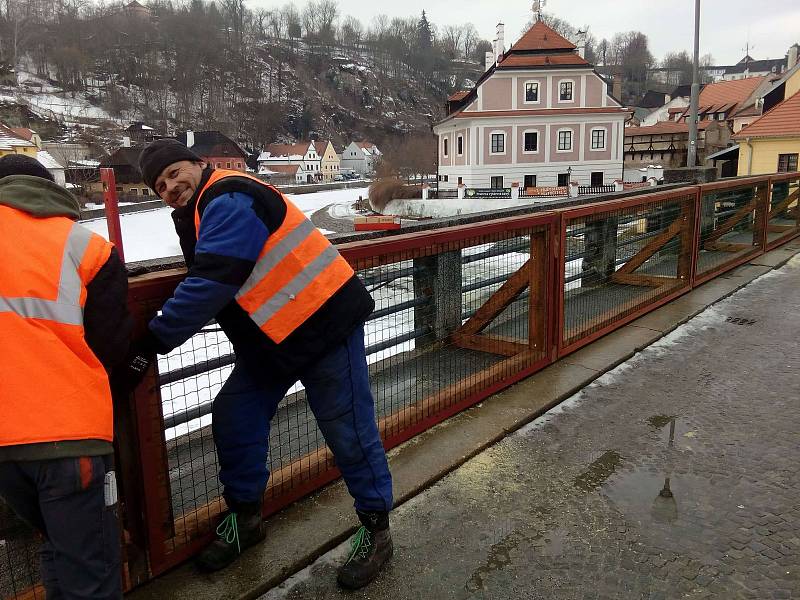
column 360, row 544
column 228, row 530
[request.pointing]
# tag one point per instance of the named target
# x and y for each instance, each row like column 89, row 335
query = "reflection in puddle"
column 600, row 470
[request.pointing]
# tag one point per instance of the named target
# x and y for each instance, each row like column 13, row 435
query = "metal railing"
column 461, row 312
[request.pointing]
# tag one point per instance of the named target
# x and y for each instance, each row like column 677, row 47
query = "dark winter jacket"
column 106, row 322
column 237, row 215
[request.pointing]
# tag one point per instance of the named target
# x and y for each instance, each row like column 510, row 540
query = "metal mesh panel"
column 618, row 261
column 19, row 558
column 728, row 227
column 783, row 220
column 431, row 345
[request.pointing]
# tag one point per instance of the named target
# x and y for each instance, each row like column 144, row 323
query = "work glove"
column 140, row 356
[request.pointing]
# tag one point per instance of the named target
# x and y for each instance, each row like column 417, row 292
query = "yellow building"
column 771, row 143
column 329, row 163
column 12, row 143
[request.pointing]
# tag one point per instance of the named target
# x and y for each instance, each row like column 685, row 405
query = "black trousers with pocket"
column 73, row 503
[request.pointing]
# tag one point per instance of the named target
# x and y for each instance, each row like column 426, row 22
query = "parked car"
column 338, row 177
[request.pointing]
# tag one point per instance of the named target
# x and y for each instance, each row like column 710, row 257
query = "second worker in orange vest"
column 294, row 310
column 64, row 325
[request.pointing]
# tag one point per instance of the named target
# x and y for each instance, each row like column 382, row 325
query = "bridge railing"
column 461, row 312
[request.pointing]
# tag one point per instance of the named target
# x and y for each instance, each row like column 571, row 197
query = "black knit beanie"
column 20, row 164
column 160, row 154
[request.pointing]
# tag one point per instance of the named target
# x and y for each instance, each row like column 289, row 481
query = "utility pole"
column 691, row 158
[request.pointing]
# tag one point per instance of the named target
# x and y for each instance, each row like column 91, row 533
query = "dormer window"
column 565, row 91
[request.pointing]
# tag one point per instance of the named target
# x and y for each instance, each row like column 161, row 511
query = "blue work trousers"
column 72, row 502
column 338, row 393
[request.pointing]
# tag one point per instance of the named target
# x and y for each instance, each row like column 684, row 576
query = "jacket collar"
column 38, row 196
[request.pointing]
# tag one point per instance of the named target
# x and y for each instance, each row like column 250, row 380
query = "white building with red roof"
column 302, row 154
column 539, row 116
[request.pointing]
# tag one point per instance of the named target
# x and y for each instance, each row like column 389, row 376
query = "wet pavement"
column 674, row 475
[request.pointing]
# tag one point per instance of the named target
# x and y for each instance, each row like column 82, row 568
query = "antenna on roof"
column 538, row 8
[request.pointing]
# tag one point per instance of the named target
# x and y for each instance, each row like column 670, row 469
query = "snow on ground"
column 150, row 234
column 416, row 207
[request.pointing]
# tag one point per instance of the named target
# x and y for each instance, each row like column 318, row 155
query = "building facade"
column 539, row 116
column 361, row 158
column 217, row 149
column 302, row 154
column 666, row 144
column 329, row 163
column 771, row 143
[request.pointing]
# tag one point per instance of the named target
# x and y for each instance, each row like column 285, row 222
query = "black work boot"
column 370, row 548
column 241, row 528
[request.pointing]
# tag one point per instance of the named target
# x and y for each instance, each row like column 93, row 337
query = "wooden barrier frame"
column 172, row 539
column 665, row 288
column 789, row 231
column 757, row 207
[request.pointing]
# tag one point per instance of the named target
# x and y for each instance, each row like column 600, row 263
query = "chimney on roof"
column 616, row 86
column 189, row 138
column 500, row 48
column 489, row 59
column 792, row 59
column 126, row 142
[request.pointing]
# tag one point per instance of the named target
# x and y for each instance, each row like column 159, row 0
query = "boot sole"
column 352, row 584
column 207, row 568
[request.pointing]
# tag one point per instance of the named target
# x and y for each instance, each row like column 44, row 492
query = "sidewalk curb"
column 301, row 533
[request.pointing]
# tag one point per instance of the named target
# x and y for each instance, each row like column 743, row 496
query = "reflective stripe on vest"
column 66, row 308
column 297, row 263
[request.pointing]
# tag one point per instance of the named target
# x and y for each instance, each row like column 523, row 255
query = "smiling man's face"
column 178, row 182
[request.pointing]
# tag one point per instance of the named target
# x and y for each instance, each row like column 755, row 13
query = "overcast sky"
column 772, row 25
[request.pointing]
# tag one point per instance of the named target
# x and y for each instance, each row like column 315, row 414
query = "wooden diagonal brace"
column 783, row 204
column 498, row 301
column 491, row 344
column 728, row 225
column 652, row 247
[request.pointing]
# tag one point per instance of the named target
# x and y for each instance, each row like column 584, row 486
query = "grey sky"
column 772, row 25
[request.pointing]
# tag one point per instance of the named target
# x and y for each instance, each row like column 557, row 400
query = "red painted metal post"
column 112, row 210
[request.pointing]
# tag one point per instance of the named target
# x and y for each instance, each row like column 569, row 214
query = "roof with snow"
column 287, row 169
column 24, row 133
column 275, row 150
column 212, row 144
column 10, row 140
column 47, row 160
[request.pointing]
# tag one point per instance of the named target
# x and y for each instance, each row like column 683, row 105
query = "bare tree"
column 469, row 40
column 450, row 40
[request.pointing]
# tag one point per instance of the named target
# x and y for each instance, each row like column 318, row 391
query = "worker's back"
column 52, row 386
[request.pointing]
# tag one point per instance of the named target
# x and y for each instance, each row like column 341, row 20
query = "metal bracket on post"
column 112, row 210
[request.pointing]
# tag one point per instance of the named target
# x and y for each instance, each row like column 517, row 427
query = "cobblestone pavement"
column 324, row 220
column 676, row 475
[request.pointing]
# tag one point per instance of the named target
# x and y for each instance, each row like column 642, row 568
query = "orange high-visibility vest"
column 297, row 271
column 52, row 386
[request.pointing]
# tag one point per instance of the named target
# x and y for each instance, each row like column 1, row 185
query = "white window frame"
column 605, row 139
column 505, row 143
column 446, row 147
column 538, row 93
column 538, row 145
column 460, row 138
column 572, row 99
column 571, row 139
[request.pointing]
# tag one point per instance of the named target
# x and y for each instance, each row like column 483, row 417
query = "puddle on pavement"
column 599, row 470
column 548, row 543
column 646, row 495
column 673, row 429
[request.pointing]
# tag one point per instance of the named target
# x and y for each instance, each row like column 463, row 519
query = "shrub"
column 384, row 190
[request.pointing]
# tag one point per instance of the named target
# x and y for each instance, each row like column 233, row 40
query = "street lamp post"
column 691, row 157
